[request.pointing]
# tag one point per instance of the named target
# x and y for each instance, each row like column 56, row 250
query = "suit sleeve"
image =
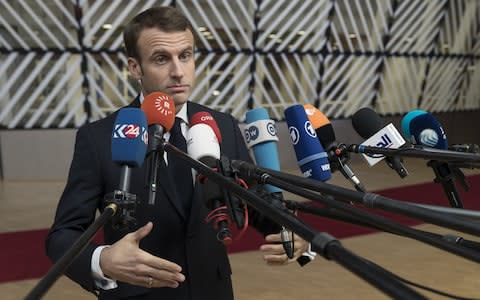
column 77, row 207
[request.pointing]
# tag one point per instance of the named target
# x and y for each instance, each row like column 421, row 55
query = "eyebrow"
column 162, row 51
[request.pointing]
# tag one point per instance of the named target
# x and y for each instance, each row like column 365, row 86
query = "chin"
column 179, row 100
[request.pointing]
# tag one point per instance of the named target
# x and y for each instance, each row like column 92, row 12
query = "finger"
column 276, row 259
column 165, row 283
column 142, row 232
column 160, row 263
column 272, row 248
column 273, row 238
column 159, row 274
column 142, row 280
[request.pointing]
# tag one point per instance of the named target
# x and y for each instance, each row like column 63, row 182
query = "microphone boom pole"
column 269, row 176
column 415, row 151
column 322, row 243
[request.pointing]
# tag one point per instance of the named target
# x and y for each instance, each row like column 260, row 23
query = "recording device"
column 422, row 128
column 368, row 124
column 159, row 109
column 203, row 144
column 129, row 145
column 338, row 159
column 261, row 137
column 311, row 157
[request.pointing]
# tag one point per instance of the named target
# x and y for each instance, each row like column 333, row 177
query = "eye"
column 160, row 59
column 185, row 56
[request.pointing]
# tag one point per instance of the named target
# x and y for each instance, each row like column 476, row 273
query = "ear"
column 134, row 68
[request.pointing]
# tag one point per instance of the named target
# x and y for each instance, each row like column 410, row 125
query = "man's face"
column 166, row 63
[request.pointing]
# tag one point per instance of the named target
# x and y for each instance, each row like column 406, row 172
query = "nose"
column 176, row 69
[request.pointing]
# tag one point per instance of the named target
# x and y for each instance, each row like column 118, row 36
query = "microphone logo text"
column 309, row 129
column 130, row 131
column 385, row 141
column 294, row 135
column 251, row 133
column 307, row 173
column 163, row 105
column 206, row 118
column 271, row 129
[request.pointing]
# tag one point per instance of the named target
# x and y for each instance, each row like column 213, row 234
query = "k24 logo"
column 130, row 131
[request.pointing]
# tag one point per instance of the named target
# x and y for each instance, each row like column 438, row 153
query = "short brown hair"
column 165, row 18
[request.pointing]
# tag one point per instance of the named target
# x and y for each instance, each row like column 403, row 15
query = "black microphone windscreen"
column 326, row 135
column 367, row 122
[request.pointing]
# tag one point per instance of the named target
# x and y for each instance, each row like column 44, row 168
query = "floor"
column 31, row 205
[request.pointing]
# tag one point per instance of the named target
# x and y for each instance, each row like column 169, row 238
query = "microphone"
column 261, row 137
column 311, row 157
column 368, row 124
column 338, row 159
column 420, row 127
column 203, row 144
column 128, row 149
column 160, row 112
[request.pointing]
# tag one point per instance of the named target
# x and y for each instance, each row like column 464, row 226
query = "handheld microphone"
column 326, row 135
column 261, row 137
column 128, row 147
column 203, row 144
column 311, row 157
column 206, row 118
column 368, row 124
column 420, row 127
column 159, row 109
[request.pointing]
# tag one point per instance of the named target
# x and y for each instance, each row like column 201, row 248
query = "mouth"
column 180, row 88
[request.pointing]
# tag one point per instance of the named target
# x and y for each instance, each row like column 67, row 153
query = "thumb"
column 142, row 232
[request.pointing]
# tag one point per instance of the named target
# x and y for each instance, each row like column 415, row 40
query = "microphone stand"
column 322, row 243
column 445, row 176
column 368, row 199
column 120, row 207
column 339, row 162
column 264, row 176
column 414, row 151
column 440, row 163
column 333, row 213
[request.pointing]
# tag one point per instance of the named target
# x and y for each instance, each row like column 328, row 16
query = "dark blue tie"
column 179, row 170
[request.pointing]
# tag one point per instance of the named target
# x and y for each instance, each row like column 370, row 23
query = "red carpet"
column 23, row 254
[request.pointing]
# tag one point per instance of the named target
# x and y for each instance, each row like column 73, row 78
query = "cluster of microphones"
column 138, row 135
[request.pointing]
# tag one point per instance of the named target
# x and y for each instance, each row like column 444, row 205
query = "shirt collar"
column 182, row 114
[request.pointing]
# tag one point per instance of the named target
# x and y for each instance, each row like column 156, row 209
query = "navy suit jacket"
column 189, row 242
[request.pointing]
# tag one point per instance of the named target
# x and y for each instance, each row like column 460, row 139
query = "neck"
column 178, row 107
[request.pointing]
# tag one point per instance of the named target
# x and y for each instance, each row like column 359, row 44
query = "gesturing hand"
column 274, row 254
column 125, row 261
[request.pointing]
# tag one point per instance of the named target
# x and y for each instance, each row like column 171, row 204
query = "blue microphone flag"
column 261, row 136
column 130, row 137
column 311, row 157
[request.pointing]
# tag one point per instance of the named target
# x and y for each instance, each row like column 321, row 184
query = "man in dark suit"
column 172, row 253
